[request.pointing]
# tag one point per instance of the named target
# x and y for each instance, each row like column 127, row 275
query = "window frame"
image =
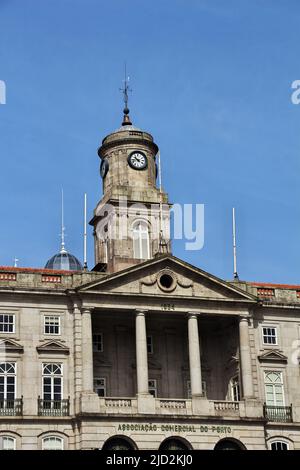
column 137, row 254
column 275, row 327
column 280, row 372
column 104, row 386
column 59, row 324
column 150, row 349
column 100, row 333
column 8, row 314
column 52, row 376
column 53, row 436
column 5, row 375
column 278, row 441
column 8, row 437
column 152, row 387
column 235, row 384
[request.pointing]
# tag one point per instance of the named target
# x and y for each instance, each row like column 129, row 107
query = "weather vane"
column 125, row 91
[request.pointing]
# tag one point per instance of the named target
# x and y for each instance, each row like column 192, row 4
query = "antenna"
column 16, row 262
column 235, row 274
column 62, row 249
column 125, row 90
column 84, row 235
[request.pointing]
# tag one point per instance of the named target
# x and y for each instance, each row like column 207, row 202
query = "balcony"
column 11, row 407
column 53, row 407
column 278, row 414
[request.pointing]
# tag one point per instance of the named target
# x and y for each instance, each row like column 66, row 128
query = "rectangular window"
column 7, row 323
column 152, row 387
column 269, row 335
column 98, row 342
column 51, row 325
column 235, row 389
column 100, row 386
column 149, row 345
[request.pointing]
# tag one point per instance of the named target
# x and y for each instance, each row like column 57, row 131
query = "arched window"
column 53, row 443
column 229, row 444
column 7, row 443
column 278, row 445
column 119, row 443
column 7, row 383
column 274, row 388
column 174, row 443
column 141, row 245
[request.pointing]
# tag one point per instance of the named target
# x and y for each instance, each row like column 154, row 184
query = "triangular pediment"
column 8, row 345
column 55, row 347
column 272, row 356
column 185, row 281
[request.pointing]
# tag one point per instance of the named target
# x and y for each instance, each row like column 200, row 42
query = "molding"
column 11, row 346
column 53, row 347
column 273, row 356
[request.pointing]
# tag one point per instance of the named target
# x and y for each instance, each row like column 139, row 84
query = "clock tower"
column 132, row 220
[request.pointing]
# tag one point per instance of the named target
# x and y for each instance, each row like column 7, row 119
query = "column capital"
column 86, row 310
column 244, row 318
column 140, row 312
column 193, row 314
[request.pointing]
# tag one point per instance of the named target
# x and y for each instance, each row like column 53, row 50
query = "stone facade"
column 145, row 353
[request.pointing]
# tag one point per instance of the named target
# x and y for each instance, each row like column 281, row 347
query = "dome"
column 64, row 261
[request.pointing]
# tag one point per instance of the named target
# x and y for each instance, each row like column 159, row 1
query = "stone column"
column 245, row 358
column 194, row 356
column 87, row 351
column 141, row 354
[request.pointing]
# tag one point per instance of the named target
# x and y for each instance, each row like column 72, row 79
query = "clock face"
column 104, row 168
column 137, row 160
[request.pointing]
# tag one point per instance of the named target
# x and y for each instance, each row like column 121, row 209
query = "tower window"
column 141, row 245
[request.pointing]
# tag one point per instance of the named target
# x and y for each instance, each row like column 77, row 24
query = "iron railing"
column 53, row 407
column 278, row 414
column 11, row 407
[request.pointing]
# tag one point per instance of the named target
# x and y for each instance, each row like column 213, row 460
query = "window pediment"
column 273, row 356
column 11, row 346
column 55, row 347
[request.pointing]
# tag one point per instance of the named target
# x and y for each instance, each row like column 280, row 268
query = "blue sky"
column 211, row 81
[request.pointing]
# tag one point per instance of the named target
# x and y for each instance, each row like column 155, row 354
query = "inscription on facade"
column 149, row 427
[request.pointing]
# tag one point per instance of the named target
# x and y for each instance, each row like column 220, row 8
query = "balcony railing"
column 53, row 407
column 11, row 407
column 278, row 414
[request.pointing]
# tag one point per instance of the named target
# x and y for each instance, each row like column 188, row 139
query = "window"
column 100, row 386
column 52, row 382
column 149, row 345
column 189, row 388
column 152, row 386
column 269, row 335
column 7, row 323
column 7, row 384
column 235, row 389
column 53, row 443
column 274, row 388
column 7, row 443
column 141, row 247
column 279, row 445
column 51, row 325
column 98, row 342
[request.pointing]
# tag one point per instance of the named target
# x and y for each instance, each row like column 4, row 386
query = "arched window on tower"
column 141, row 243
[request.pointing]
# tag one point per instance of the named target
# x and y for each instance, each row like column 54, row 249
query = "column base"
column 145, row 403
column 253, row 408
column 200, row 405
column 90, row 402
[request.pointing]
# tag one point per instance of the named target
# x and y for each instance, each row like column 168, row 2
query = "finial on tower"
column 62, row 249
column 125, row 90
